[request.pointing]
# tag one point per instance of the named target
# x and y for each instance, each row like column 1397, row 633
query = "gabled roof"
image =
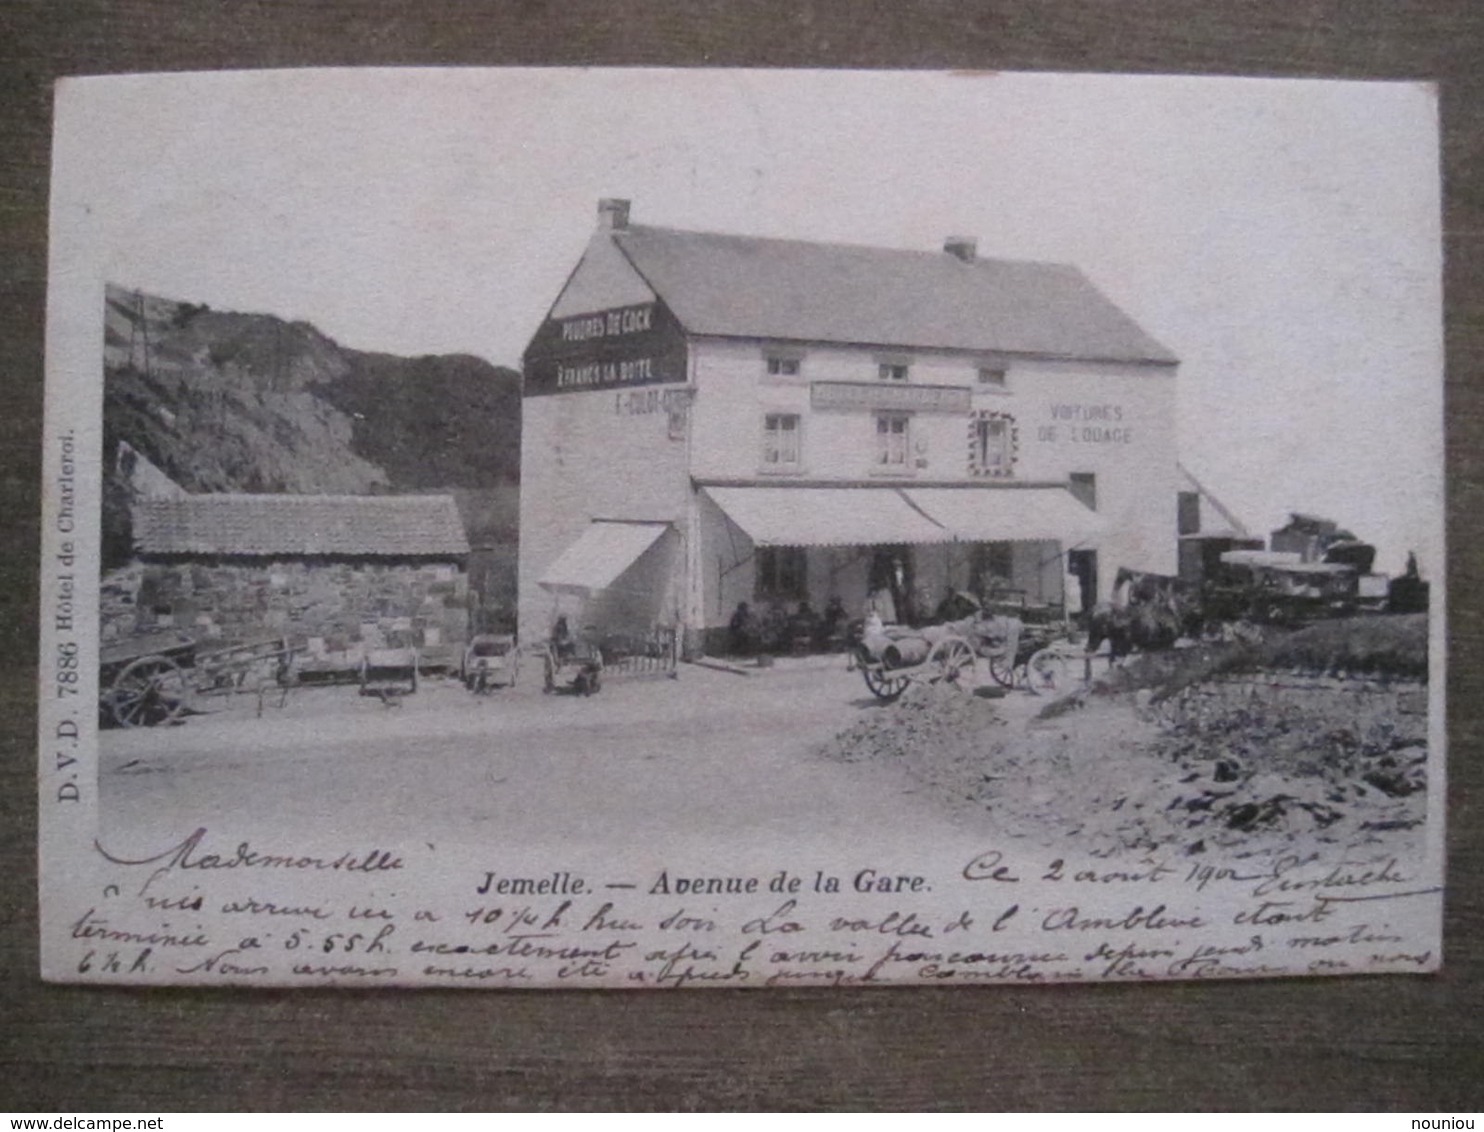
column 390, row 526
column 752, row 287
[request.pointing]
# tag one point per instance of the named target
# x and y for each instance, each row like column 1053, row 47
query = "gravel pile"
column 1210, row 768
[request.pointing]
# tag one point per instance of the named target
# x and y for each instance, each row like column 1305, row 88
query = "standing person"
column 562, row 644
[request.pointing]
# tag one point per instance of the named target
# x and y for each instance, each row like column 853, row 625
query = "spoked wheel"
column 149, row 691
column 884, row 687
column 1002, row 669
column 956, row 661
column 1054, row 672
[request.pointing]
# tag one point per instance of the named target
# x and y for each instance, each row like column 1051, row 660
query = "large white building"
column 710, row 419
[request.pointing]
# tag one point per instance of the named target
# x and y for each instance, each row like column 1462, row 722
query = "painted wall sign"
column 1086, row 424
column 606, row 350
column 610, row 324
column 890, row 396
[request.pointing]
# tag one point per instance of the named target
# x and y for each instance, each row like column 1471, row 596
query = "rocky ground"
column 1218, row 752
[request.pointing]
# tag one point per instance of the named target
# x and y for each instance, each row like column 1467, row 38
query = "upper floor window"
column 991, row 377
column 893, row 371
column 781, row 447
column 893, row 443
column 992, row 444
column 784, row 365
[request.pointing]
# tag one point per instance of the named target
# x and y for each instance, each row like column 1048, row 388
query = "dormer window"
column 893, row 371
column 991, row 377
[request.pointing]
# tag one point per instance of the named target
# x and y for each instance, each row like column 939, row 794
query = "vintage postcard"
column 660, row 529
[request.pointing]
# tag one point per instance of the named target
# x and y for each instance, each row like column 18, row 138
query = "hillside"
column 225, row 401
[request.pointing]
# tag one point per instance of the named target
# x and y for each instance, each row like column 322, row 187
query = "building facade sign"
column 607, row 350
column 872, row 396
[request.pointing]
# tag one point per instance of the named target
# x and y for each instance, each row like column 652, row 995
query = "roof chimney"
column 961, row 247
column 613, row 214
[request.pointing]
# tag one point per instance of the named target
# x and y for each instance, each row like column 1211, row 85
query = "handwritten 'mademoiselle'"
column 187, row 855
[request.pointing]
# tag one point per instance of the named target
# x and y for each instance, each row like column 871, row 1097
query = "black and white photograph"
column 658, row 529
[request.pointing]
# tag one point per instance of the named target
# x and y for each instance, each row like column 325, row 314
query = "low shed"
column 333, row 573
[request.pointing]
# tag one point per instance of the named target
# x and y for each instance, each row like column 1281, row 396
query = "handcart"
column 389, row 674
column 576, row 666
column 490, row 661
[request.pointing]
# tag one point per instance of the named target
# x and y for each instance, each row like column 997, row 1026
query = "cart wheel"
column 149, row 691
column 595, row 684
column 1002, row 670
column 955, row 659
column 885, row 688
column 1052, row 671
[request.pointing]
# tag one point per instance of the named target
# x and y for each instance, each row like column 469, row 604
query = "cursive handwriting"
column 186, row 856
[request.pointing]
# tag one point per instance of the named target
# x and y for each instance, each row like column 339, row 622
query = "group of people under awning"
column 775, row 628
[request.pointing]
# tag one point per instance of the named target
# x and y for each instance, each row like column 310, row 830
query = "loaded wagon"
column 1036, row 657
column 894, row 656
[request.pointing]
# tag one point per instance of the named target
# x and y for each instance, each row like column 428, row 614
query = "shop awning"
column 603, row 552
column 1008, row 514
column 826, row 516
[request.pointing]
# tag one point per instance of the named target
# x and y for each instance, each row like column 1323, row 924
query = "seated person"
column 832, row 624
column 742, row 631
column 773, row 628
column 803, row 625
column 955, row 606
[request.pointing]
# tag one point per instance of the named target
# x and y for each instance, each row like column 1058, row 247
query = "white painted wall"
column 1116, row 421
column 587, row 456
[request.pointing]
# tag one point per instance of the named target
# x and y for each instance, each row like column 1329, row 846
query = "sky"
column 1282, row 237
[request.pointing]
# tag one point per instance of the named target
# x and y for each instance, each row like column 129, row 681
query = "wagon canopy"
column 604, row 551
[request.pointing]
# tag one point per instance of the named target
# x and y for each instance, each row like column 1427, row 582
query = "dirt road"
column 710, row 752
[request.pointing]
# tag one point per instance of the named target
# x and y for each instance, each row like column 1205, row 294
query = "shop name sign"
column 640, row 344
column 633, row 371
column 608, row 324
column 894, row 396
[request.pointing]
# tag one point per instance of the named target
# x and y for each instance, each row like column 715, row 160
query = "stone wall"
column 322, row 607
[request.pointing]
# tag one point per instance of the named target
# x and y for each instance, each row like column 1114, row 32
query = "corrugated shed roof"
column 396, row 526
column 748, row 286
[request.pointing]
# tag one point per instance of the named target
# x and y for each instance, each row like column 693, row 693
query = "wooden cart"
column 897, row 657
column 155, row 679
column 389, row 674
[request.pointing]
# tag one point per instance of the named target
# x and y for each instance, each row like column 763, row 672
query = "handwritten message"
column 204, row 910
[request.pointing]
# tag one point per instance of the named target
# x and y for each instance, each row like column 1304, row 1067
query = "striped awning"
column 826, row 516
column 1008, row 514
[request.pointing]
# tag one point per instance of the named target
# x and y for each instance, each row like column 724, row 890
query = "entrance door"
column 1083, row 565
column 891, row 576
